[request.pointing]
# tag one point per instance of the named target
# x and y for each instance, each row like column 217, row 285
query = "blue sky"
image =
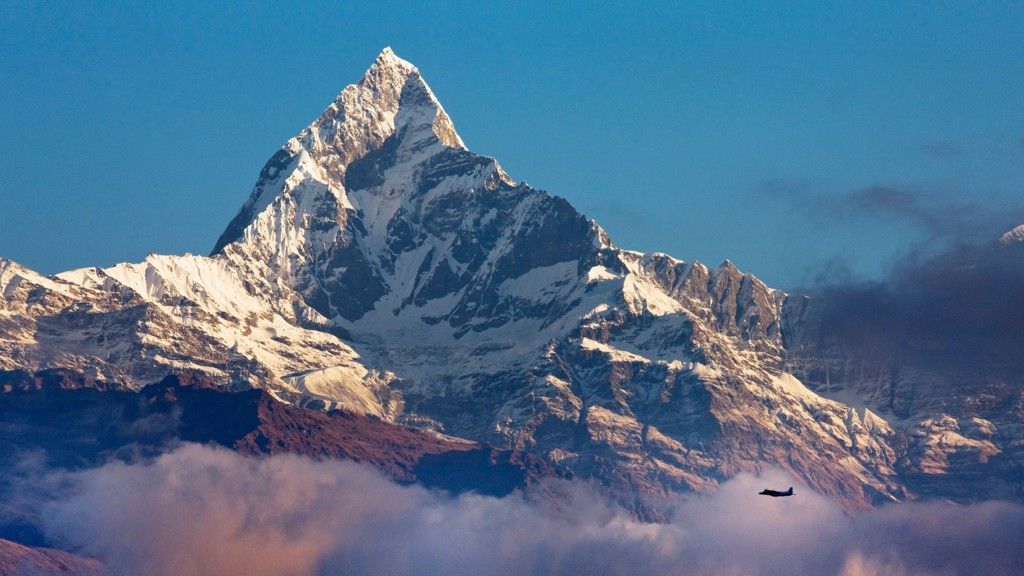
column 733, row 131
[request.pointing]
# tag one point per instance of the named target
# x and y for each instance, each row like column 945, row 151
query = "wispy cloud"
column 939, row 215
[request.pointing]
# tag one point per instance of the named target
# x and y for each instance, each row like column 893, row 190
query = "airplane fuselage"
column 776, row 493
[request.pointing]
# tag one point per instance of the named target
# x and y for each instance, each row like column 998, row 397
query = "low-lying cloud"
column 201, row 510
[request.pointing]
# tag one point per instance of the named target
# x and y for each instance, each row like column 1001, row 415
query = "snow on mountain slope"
column 132, row 323
column 381, row 266
column 1012, row 236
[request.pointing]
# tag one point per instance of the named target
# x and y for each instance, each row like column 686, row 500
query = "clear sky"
column 780, row 137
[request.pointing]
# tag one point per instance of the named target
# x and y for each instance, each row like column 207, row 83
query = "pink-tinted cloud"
column 200, row 511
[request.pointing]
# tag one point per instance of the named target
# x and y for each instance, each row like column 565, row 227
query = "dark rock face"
column 50, row 379
column 483, row 470
column 79, row 426
column 351, row 293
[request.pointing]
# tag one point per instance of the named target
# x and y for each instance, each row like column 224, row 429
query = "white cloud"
column 200, row 510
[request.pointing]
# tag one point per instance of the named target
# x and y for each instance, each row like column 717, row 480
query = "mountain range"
column 387, row 295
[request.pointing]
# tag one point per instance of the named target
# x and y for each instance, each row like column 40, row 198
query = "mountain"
column 382, row 268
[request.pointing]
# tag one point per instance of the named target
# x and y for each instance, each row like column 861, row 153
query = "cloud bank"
column 205, row 511
column 958, row 310
column 949, row 302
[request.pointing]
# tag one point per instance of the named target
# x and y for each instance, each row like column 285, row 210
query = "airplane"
column 776, row 493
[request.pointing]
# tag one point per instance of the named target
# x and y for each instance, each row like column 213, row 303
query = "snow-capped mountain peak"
column 393, row 90
column 391, row 112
